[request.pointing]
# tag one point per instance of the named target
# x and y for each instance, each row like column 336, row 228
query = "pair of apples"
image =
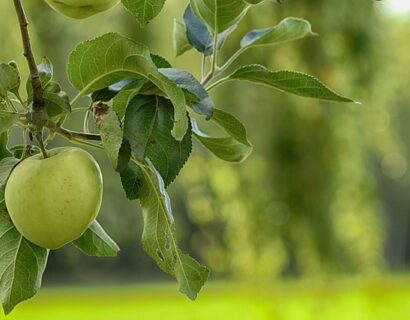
column 80, row 9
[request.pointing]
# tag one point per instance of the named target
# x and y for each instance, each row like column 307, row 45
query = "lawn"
column 342, row 299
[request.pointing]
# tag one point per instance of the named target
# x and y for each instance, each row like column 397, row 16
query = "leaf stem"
column 203, row 66
column 86, row 127
column 214, row 60
column 217, row 83
column 232, row 59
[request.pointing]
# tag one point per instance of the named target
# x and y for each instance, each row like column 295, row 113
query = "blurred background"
column 314, row 225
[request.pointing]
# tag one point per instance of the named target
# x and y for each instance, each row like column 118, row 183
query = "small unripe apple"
column 53, row 201
column 80, row 9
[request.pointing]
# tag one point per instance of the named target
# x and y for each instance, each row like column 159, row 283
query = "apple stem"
column 41, row 145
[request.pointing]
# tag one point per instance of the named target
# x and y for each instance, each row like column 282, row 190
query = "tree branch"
column 69, row 134
column 38, row 101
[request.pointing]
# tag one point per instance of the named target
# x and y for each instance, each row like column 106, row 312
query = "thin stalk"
column 86, row 127
column 24, row 153
column 217, row 83
column 39, row 138
column 214, row 59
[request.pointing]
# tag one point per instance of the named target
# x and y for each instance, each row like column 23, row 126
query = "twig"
column 38, row 101
column 77, row 135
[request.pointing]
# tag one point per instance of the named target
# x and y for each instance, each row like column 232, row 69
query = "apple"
column 53, row 201
column 80, row 9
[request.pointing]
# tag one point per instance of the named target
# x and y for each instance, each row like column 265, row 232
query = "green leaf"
column 15, row 90
column 4, row 151
column 98, row 63
column 56, row 100
column 234, row 148
column 45, row 70
column 159, row 236
column 187, row 81
column 180, row 40
column 219, row 15
column 288, row 81
column 289, row 29
column 122, row 100
column 6, row 166
column 111, row 136
column 18, row 149
column 199, row 36
column 160, row 62
column 147, row 126
column 129, row 172
column 96, row 242
column 110, row 92
column 144, row 10
column 9, row 79
column 7, row 120
column 22, row 264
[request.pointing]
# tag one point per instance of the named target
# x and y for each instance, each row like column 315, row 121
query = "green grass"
column 343, row 299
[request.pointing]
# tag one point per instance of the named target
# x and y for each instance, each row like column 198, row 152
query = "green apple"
column 80, row 9
column 53, row 201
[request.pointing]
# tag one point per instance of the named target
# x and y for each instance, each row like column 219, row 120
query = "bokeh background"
column 314, row 225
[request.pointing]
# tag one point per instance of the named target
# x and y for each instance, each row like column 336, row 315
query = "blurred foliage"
column 326, row 189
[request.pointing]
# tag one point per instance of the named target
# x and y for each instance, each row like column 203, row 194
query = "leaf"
column 198, row 34
column 180, row 40
column 147, row 126
column 98, row 63
column 289, row 29
column 6, row 166
column 4, row 151
column 219, row 14
column 45, row 70
column 144, row 10
column 108, row 93
column 96, row 242
column 18, row 149
column 16, row 88
column 159, row 236
column 129, row 172
column 122, row 100
column 288, row 81
column 111, row 136
column 7, row 120
column 188, row 82
column 9, row 79
column 22, row 264
column 56, row 100
column 234, row 148
column 160, row 62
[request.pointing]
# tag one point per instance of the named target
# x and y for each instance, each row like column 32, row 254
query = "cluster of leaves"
column 145, row 111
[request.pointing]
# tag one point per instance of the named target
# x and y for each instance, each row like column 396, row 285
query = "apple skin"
column 53, row 201
column 81, row 9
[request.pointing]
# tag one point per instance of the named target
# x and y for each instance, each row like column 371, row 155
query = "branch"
column 69, row 134
column 38, row 101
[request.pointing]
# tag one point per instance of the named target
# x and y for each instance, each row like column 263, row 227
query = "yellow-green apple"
column 80, row 9
column 53, row 201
